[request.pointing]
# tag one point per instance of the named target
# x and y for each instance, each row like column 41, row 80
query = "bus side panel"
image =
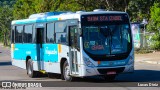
column 19, row 63
column 63, row 51
column 53, row 53
column 50, row 57
column 20, row 53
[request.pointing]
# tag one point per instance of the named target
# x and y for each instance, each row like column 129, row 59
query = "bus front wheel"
column 66, row 72
column 31, row 73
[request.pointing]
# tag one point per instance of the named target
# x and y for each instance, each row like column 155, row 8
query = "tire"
column 66, row 71
column 31, row 73
column 110, row 78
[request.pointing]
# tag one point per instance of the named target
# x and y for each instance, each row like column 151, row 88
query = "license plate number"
column 111, row 72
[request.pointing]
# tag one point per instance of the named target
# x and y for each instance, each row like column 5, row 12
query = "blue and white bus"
column 74, row 44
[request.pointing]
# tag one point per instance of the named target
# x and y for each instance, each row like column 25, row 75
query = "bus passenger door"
column 39, row 46
column 74, row 43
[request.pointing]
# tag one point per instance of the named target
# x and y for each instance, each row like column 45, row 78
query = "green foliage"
column 154, row 25
column 6, row 11
column 23, row 8
column 77, row 5
column 118, row 5
column 155, row 16
column 137, row 9
column 155, row 41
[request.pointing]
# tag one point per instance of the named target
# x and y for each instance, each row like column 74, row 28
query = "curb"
column 152, row 62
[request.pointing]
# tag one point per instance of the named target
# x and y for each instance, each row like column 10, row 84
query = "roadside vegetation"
column 137, row 9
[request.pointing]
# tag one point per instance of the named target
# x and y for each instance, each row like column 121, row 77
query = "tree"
column 23, row 8
column 119, row 5
column 5, row 19
column 154, row 25
column 139, row 9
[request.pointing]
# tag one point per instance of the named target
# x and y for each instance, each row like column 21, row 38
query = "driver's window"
column 74, row 37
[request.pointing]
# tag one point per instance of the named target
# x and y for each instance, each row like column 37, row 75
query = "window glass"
column 60, row 30
column 60, row 27
column 18, row 34
column 50, row 32
column 61, row 38
column 27, row 38
column 107, row 40
column 74, row 37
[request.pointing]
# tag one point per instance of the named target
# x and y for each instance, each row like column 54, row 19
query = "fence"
column 143, row 40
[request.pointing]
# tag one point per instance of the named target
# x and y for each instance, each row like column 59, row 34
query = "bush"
column 155, row 42
column 154, row 25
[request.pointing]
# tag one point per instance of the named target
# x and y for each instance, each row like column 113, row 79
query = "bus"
column 73, row 44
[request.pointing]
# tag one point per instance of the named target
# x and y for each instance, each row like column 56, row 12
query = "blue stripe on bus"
column 113, row 63
column 49, row 53
column 25, row 21
column 21, row 51
column 52, row 19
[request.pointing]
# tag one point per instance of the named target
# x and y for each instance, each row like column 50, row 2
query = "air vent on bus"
column 98, row 10
column 39, row 15
column 79, row 11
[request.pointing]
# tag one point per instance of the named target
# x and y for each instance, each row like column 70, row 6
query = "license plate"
column 111, row 72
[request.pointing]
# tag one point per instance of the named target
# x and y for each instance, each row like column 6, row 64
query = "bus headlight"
column 88, row 62
column 131, row 60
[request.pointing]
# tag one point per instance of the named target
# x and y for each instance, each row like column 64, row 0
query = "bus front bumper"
column 93, row 71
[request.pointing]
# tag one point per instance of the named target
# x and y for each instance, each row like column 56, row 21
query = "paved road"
column 144, row 73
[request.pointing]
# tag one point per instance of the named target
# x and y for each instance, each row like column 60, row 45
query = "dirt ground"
column 155, row 56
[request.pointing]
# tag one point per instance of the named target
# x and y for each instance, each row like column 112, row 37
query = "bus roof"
column 53, row 16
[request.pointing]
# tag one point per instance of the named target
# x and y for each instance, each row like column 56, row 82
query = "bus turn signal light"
column 99, row 62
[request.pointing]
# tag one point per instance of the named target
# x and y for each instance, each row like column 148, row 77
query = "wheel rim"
column 66, row 71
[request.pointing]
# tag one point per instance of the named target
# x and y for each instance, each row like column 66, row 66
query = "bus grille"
column 117, row 70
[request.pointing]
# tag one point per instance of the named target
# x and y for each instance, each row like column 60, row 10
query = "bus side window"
column 61, row 38
column 50, row 32
column 18, row 34
column 12, row 34
column 27, row 36
column 60, row 32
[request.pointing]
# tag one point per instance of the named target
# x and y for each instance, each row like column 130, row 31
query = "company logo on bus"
column 49, row 52
column 111, row 63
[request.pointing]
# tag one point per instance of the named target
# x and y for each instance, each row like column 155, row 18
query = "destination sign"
column 104, row 18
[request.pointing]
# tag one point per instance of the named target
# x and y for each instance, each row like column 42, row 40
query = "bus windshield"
column 106, row 39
